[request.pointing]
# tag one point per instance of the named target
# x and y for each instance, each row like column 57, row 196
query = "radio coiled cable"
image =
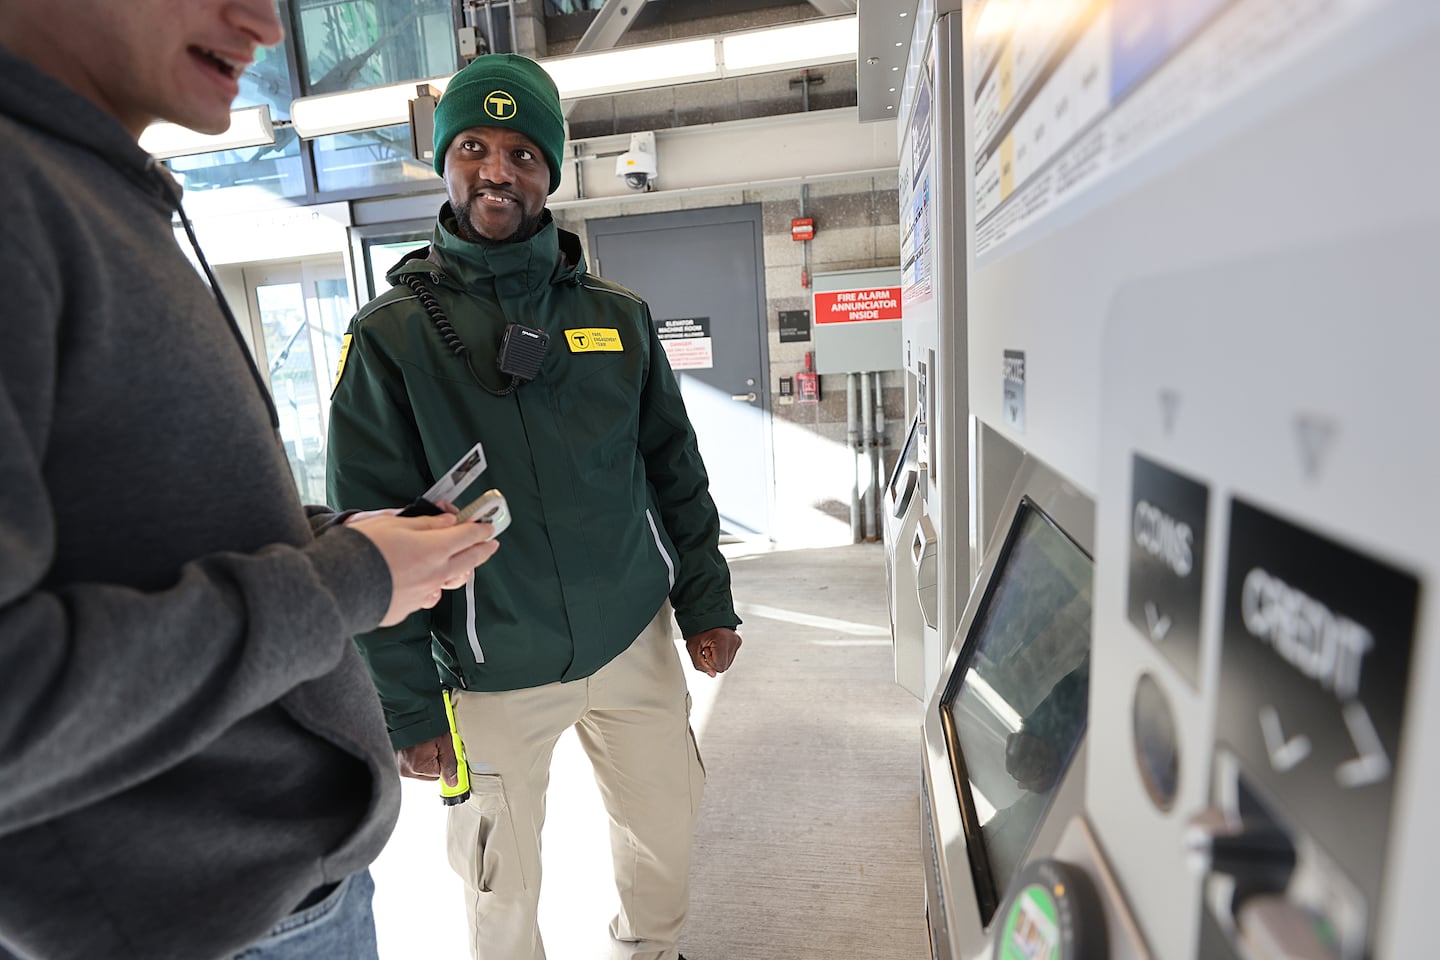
column 447, row 332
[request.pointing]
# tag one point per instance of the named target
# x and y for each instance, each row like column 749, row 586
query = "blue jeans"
column 340, row 926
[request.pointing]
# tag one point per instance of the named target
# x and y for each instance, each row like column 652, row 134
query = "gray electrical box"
column 422, row 123
column 856, row 320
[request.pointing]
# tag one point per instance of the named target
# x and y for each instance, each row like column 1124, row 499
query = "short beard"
column 526, row 229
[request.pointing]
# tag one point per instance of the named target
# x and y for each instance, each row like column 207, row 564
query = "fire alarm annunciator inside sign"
column 802, row 229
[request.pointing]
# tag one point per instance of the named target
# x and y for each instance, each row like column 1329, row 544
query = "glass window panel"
column 332, row 318
column 268, row 80
column 494, row 22
column 369, row 158
column 294, row 385
column 381, row 256
column 352, row 44
column 555, row 8
column 276, row 169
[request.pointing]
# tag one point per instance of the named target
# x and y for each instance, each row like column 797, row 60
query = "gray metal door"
column 700, row 272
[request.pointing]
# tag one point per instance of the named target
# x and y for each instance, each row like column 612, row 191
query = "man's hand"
column 714, row 650
column 430, row 760
column 426, row 556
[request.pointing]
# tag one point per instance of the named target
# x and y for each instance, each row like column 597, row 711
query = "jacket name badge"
column 594, row 340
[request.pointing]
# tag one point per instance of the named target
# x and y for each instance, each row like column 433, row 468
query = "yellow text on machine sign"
column 594, row 339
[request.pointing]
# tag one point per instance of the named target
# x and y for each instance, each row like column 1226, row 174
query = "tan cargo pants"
column 632, row 717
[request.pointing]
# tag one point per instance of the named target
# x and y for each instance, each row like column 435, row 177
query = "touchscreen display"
column 1016, row 704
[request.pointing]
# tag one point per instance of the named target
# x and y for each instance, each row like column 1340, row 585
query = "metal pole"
column 853, row 442
column 878, row 454
column 489, row 27
column 866, row 421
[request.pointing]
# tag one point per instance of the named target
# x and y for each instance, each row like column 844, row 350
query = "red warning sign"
column 848, row 306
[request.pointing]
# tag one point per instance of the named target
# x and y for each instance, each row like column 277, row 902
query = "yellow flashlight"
column 460, row 792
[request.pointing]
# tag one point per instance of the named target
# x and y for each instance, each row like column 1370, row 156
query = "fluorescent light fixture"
column 633, row 68
column 794, row 45
column 249, row 127
column 357, row 109
column 603, row 72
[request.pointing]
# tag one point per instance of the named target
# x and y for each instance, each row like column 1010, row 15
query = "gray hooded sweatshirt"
column 189, row 743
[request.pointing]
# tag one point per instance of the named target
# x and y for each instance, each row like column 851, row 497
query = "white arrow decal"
column 1284, row 754
column 1373, row 764
column 1315, row 434
column 1159, row 626
column 1169, row 406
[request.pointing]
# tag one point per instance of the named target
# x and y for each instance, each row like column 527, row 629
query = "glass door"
column 299, row 312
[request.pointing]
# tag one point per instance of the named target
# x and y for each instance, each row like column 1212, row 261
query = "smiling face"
column 143, row 60
column 497, row 180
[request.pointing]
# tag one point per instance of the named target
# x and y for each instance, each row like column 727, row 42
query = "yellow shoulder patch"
column 340, row 367
column 593, row 339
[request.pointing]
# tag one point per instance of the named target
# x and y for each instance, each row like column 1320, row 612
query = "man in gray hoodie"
column 193, row 761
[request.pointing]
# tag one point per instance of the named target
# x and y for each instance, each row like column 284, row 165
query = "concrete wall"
column 856, row 227
column 714, row 101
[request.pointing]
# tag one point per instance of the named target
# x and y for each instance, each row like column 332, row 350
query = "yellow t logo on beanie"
column 499, row 105
column 488, row 92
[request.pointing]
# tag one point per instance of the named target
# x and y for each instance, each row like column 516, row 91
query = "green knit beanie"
column 503, row 90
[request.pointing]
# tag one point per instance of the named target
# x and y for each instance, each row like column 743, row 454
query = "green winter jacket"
column 596, row 457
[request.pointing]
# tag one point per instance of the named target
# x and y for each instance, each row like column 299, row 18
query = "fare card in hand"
column 453, row 482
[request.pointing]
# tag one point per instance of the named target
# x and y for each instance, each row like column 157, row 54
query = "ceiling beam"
column 834, row 8
column 609, row 25
column 605, row 31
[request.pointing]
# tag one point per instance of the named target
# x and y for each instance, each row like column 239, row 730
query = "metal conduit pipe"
column 852, row 442
column 878, row 459
column 867, row 455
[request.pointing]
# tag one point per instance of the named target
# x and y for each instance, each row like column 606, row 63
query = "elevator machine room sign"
column 1313, row 665
column 1167, row 562
column 686, row 342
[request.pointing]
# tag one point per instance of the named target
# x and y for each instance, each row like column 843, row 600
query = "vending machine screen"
column 1015, row 705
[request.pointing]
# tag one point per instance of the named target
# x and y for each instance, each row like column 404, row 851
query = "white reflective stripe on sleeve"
column 655, row 532
column 470, row 622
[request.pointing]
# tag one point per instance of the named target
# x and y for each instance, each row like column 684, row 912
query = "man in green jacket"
column 587, row 437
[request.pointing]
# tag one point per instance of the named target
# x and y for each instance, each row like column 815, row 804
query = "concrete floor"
column 816, row 620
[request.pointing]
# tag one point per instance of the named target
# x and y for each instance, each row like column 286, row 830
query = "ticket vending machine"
column 932, row 301
column 910, row 570
column 1199, row 259
column 1004, row 761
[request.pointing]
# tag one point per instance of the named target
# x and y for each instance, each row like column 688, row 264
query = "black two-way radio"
column 522, row 350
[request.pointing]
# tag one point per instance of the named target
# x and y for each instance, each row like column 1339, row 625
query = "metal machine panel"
column 1296, row 721
column 1211, row 227
column 902, row 499
column 1117, row 139
column 931, row 165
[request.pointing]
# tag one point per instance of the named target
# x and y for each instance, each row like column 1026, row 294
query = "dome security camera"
column 638, row 166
